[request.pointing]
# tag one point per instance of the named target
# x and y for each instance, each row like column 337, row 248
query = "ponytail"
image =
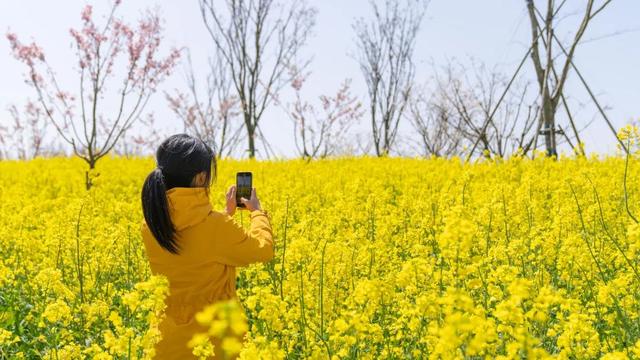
column 179, row 159
column 155, row 207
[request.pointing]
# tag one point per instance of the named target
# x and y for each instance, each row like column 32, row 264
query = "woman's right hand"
column 253, row 203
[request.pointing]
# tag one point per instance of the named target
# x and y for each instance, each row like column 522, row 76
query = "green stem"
column 284, row 248
column 626, row 193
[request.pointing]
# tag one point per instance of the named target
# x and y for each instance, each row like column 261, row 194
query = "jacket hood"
column 188, row 206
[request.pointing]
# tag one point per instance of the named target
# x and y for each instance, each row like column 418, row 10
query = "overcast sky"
column 495, row 32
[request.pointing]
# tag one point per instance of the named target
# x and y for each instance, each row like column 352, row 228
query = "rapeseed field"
column 375, row 258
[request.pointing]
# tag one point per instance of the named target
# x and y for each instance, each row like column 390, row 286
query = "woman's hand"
column 231, row 201
column 253, row 203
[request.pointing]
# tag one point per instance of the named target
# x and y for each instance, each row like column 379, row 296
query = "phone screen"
column 243, row 187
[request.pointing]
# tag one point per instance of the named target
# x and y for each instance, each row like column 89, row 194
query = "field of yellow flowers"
column 375, row 258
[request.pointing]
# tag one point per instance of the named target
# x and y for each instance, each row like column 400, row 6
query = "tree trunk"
column 548, row 118
column 251, row 130
column 87, row 178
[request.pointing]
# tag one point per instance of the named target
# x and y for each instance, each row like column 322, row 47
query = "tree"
column 4, row 140
column 472, row 95
column 94, row 129
column 385, row 54
column 317, row 133
column 550, row 82
column 26, row 135
column 144, row 141
column 211, row 119
column 258, row 41
column 434, row 124
column 474, row 110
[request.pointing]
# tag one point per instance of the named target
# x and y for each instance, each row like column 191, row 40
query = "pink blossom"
column 226, row 105
column 25, row 53
column 86, row 13
column 64, row 96
column 296, row 83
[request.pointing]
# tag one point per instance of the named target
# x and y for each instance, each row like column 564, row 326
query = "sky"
column 495, row 32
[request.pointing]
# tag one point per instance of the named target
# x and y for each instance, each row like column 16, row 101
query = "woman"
column 196, row 247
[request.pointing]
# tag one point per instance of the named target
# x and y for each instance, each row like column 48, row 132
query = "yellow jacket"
column 211, row 245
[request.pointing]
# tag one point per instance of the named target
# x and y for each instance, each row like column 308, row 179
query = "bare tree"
column 28, row 131
column 361, row 144
column 258, row 41
column 469, row 102
column 385, row 54
column 433, row 121
column 319, row 133
column 551, row 83
column 4, row 141
column 467, row 107
column 211, row 119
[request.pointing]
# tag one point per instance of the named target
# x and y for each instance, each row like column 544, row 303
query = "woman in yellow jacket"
column 194, row 246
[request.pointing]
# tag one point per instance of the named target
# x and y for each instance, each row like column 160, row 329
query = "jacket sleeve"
column 235, row 246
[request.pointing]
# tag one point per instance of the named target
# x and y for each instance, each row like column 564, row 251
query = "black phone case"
column 238, row 192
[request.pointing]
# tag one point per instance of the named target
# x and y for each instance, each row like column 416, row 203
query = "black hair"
column 179, row 158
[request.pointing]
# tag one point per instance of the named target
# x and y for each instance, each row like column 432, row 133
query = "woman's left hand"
column 231, row 201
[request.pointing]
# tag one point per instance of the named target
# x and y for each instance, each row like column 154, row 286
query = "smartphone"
column 243, row 187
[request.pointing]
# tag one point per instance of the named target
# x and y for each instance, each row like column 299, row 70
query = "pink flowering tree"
column 319, row 130
column 119, row 67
